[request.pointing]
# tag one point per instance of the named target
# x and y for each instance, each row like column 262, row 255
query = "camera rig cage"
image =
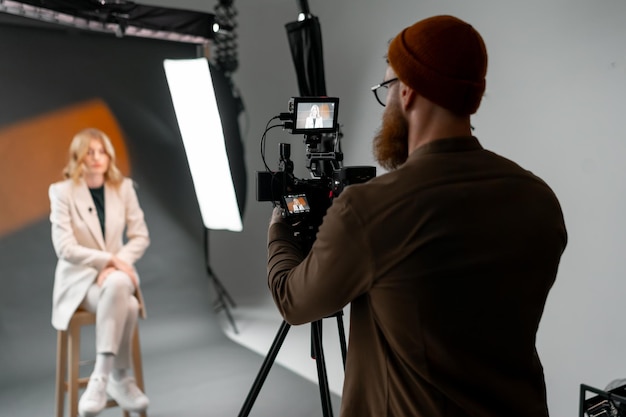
column 305, row 201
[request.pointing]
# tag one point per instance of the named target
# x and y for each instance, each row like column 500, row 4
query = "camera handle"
column 317, row 353
column 284, row 163
column 321, row 162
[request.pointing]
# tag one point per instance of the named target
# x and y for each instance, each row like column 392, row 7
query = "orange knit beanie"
column 444, row 59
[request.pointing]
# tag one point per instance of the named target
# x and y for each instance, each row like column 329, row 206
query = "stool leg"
column 138, row 365
column 61, row 372
column 74, row 363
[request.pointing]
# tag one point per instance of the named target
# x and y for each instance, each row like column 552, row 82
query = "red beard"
column 391, row 144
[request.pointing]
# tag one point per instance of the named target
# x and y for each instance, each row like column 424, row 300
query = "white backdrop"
column 555, row 103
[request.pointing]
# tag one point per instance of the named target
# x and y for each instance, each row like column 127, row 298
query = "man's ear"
column 407, row 95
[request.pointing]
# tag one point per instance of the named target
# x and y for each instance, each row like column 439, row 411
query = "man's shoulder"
column 379, row 190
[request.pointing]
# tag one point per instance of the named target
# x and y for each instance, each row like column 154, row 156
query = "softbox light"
column 195, row 104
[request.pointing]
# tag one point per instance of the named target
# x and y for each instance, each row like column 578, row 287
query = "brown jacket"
column 447, row 262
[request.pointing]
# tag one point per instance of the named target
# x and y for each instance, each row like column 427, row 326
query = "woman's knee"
column 133, row 306
column 118, row 293
column 118, row 282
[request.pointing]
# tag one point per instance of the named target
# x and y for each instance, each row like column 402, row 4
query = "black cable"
column 264, row 139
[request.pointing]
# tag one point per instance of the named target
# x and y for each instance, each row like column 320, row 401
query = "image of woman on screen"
column 314, row 120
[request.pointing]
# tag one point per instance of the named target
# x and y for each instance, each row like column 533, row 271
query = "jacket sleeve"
column 138, row 238
column 64, row 239
column 338, row 268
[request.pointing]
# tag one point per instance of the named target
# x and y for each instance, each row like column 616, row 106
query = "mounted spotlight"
column 305, row 13
column 221, row 28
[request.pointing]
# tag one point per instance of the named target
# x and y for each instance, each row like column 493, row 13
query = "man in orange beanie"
column 446, row 260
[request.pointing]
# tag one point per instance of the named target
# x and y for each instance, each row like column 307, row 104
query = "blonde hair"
column 78, row 150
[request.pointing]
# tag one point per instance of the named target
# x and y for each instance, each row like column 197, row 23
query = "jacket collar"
column 87, row 210
column 454, row 144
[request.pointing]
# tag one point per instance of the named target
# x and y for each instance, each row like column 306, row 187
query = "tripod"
column 223, row 298
column 317, row 353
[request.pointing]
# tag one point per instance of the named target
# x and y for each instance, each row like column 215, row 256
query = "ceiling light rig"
column 121, row 18
column 225, row 37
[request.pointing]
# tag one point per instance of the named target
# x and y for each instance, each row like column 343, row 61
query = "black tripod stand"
column 317, row 353
column 223, row 298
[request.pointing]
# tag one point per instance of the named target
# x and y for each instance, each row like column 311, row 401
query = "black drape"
column 229, row 108
column 305, row 42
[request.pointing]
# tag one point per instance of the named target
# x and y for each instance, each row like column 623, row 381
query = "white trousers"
column 117, row 310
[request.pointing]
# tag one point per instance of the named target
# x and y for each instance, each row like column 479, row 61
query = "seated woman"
column 90, row 210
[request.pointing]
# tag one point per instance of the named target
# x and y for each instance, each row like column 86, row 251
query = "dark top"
column 447, row 263
column 98, row 199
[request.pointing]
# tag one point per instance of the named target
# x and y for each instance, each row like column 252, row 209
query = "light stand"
column 223, row 298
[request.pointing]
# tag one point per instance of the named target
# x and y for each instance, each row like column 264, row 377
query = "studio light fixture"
column 119, row 17
column 221, row 28
column 200, row 125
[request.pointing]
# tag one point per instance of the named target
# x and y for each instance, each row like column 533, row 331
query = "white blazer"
column 78, row 242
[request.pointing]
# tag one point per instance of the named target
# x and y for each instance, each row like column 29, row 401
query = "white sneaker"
column 94, row 399
column 127, row 394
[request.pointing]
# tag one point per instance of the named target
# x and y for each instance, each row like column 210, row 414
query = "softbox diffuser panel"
column 195, row 104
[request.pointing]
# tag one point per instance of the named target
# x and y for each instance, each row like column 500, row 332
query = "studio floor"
column 194, row 364
column 192, row 368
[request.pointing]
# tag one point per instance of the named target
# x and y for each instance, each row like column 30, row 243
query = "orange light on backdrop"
column 33, row 153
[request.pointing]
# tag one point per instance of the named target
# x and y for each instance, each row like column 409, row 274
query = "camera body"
column 305, row 201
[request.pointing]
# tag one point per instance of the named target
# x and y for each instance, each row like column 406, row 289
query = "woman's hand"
column 117, row 264
column 103, row 275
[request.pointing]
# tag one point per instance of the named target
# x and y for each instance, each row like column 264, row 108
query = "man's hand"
column 277, row 215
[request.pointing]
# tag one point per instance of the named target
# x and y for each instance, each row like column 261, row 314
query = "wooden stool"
column 68, row 352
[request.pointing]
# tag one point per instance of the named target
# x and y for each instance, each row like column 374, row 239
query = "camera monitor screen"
column 297, row 204
column 314, row 115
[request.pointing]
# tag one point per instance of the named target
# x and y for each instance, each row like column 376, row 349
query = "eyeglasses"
column 380, row 91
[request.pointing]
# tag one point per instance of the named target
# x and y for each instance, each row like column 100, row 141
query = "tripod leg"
column 318, row 354
column 220, row 288
column 223, row 298
column 342, row 338
column 265, row 369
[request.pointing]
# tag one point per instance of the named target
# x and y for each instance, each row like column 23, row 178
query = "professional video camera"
column 305, row 201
